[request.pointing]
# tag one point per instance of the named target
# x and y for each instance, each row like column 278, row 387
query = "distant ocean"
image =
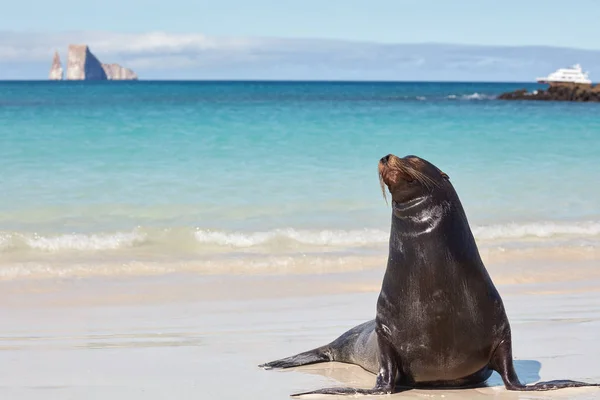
column 121, row 178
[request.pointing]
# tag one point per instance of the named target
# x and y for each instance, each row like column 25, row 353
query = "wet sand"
column 193, row 336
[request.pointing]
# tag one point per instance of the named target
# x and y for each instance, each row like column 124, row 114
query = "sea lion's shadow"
column 528, row 372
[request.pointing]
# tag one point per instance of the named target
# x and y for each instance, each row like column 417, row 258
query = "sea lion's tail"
column 318, row 355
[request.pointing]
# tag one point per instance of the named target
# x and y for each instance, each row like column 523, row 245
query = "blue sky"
column 489, row 22
column 307, row 39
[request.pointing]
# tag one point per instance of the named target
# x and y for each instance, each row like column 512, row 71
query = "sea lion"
column 440, row 322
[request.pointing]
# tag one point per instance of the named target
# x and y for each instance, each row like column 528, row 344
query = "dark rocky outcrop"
column 557, row 92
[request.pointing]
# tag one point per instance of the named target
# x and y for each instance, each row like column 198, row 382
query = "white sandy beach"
column 199, row 336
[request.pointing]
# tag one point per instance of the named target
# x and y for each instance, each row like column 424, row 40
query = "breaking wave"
column 78, row 242
column 437, row 98
column 197, row 239
column 322, row 238
column 146, row 251
column 473, row 96
column 537, row 230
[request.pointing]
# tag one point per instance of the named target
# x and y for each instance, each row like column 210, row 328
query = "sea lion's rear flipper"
column 318, row 355
column 502, row 362
column 341, row 349
column 386, row 378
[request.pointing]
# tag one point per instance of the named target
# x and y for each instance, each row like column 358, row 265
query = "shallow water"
column 105, row 176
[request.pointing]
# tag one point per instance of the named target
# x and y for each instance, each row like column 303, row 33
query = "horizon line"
column 245, row 80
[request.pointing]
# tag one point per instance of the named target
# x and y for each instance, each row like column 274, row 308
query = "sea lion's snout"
column 389, row 171
column 385, row 159
column 409, row 177
column 406, row 177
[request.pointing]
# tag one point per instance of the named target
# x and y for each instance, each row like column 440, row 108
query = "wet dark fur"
column 440, row 321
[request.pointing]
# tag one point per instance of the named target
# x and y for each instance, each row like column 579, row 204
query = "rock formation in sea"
column 117, row 72
column 82, row 64
column 56, row 70
column 557, row 92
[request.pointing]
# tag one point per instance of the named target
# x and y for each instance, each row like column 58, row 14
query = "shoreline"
column 556, row 272
column 537, row 262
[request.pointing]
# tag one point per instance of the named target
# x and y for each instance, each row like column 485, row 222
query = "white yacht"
column 567, row 75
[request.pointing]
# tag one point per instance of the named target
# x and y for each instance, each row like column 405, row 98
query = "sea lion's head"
column 409, row 178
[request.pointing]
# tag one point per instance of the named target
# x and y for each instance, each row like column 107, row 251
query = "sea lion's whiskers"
column 382, row 183
column 422, row 178
column 404, row 166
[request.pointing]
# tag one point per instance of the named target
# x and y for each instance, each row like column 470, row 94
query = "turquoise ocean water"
column 153, row 177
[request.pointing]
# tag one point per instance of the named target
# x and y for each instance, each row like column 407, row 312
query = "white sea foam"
column 157, row 252
column 323, row 237
column 539, row 230
column 86, row 242
column 5, row 241
column 79, row 242
column 198, row 239
column 218, row 265
column 475, row 96
column 472, row 96
column 365, row 237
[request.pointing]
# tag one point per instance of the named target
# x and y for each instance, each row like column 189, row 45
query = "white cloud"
column 156, row 55
column 160, row 42
column 37, row 46
column 164, row 62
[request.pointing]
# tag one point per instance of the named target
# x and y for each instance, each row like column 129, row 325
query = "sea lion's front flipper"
column 385, row 385
column 346, row 391
column 502, row 362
